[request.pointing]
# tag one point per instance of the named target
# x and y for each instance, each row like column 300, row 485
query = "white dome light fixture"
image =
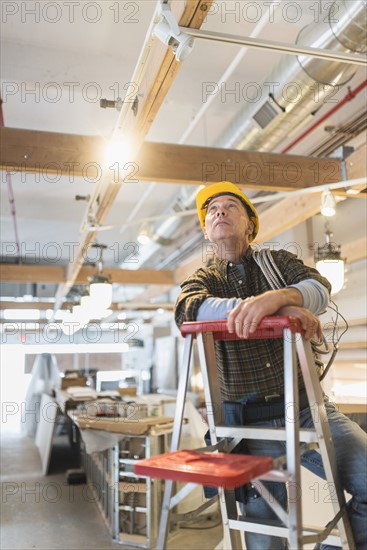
column 330, row 264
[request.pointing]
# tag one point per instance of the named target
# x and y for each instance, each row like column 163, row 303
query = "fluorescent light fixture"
column 22, row 314
column 69, row 347
column 59, row 315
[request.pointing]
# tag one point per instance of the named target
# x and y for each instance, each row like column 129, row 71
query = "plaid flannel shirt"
column 245, row 367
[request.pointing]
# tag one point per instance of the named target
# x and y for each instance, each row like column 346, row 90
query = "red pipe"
column 350, row 95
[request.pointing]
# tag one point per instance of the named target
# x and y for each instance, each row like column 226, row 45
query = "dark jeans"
column 350, row 444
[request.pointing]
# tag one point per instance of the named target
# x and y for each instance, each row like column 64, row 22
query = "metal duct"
column 164, row 234
column 301, row 84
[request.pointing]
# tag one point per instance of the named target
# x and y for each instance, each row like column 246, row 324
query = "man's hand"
column 310, row 324
column 248, row 314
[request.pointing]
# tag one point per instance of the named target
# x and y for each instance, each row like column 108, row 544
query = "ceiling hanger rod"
column 291, row 49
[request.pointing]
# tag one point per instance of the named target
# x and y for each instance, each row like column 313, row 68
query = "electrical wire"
column 335, row 338
column 266, row 262
column 200, row 523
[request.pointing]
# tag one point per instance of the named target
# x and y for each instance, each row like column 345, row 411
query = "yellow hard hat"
column 204, row 196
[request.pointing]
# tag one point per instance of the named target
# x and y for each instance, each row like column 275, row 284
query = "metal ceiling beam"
column 82, row 156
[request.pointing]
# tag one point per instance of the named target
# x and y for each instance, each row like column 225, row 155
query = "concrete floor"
column 44, row 512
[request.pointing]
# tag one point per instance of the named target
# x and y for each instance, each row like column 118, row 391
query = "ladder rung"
column 275, row 528
column 307, row 435
column 271, row 527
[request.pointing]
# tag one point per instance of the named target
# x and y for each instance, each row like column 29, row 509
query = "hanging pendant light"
column 100, row 291
column 100, row 288
column 145, row 234
column 330, row 264
column 328, row 204
column 80, row 315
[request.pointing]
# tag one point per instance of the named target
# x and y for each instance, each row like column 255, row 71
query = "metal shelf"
column 129, row 503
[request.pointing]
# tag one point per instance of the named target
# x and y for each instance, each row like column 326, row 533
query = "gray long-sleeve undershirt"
column 315, row 298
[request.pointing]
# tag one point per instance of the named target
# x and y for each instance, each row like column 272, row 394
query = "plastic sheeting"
column 45, row 377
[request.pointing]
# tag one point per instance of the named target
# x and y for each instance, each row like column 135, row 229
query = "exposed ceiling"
column 59, row 59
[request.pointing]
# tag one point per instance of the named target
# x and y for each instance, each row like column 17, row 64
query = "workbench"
column 109, row 448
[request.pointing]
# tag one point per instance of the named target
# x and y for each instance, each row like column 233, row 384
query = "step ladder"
column 196, row 467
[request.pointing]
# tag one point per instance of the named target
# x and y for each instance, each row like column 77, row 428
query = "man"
column 251, row 371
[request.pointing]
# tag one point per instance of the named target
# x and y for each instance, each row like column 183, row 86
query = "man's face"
column 226, row 217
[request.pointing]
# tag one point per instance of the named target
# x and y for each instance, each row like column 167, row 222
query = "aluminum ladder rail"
column 290, row 330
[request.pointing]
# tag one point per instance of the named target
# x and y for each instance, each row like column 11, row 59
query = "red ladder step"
column 214, row 469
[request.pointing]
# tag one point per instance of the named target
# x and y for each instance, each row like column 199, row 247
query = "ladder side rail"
column 316, row 402
column 184, row 376
column 291, row 415
column 271, row 501
column 208, row 366
column 293, row 344
column 175, row 441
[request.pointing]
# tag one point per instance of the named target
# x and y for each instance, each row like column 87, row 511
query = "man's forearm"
column 311, row 294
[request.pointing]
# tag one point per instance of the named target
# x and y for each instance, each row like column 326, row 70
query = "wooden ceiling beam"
column 21, row 273
column 356, row 163
column 250, row 169
column 57, row 274
column 287, row 214
column 47, row 153
column 82, row 156
column 116, row 307
column 136, row 118
column 42, row 306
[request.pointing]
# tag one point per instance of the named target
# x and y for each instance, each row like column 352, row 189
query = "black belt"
column 242, row 413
